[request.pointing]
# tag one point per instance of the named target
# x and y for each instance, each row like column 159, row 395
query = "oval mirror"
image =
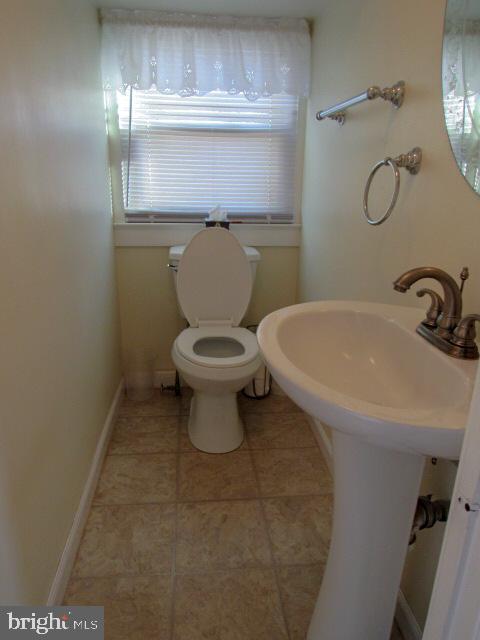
column 461, row 85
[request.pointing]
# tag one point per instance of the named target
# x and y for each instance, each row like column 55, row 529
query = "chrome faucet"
column 452, row 306
column 443, row 326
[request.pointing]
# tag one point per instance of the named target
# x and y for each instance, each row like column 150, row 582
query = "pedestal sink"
column 391, row 399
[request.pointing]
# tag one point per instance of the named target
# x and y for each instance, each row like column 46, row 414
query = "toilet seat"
column 188, row 341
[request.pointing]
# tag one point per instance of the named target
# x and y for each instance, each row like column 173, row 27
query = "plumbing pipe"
column 427, row 514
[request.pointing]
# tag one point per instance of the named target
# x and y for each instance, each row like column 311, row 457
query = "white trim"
column 406, row 621
column 164, row 377
column 454, row 606
column 62, row 575
column 167, row 234
column 323, row 440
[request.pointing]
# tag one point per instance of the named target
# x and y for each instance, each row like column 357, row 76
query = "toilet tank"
column 175, row 254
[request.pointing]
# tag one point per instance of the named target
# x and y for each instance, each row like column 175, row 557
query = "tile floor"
column 183, row 545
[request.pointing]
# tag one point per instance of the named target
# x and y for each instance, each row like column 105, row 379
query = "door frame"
column 454, row 611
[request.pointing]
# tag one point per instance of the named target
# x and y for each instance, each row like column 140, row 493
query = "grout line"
column 247, row 414
column 175, row 533
column 248, row 447
column 200, row 572
column 315, row 446
column 145, row 453
column 208, row 500
column 243, row 450
column 185, row 412
column 152, row 415
column 115, row 454
column 158, row 426
column 296, row 413
column 270, row 546
column 141, row 431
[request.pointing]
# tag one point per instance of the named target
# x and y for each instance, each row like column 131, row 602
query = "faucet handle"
column 464, row 275
column 464, row 334
column 435, row 309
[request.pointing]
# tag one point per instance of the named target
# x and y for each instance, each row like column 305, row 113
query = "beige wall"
column 59, row 362
column 148, row 307
column 437, row 220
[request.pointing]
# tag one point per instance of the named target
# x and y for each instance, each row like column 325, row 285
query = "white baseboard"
column 406, row 621
column 60, row 581
column 164, row 377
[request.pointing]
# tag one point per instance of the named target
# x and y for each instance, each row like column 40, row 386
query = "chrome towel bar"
column 410, row 161
column 394, row 94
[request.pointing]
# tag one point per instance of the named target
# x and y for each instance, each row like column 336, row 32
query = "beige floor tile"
column 145, row 424
column 220, row 535
column 136, row 608
column 140, row 434
column 292, row 472
column 299, row 587
column 185, row 400
column 278, row 430
column 185, row 443
column 206, row 476
column 126, row 540
column 161, row 404
column 135, row 479
column 299, row 528
column 232, row 605
column 271, row 404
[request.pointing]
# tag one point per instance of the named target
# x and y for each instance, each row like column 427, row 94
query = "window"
column 181, row 156
column 204, row 111
column 461, row 114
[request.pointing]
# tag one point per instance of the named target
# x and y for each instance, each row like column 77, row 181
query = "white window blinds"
column 181, row 156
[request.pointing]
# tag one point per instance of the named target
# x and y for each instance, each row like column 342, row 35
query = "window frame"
column 123, row 218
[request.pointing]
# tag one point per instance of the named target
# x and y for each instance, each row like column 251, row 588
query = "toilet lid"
column 214, row 280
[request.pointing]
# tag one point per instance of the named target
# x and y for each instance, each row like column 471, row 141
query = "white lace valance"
column 189, row 54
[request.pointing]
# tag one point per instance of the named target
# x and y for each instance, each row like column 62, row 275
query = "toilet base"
column 214, row 425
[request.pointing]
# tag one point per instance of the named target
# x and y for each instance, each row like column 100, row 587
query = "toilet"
column 215, row 356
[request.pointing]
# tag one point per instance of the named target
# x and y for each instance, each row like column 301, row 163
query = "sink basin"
column 361, row 368
column 391, row 399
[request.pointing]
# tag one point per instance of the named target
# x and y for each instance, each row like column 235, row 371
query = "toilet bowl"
column 214, row 355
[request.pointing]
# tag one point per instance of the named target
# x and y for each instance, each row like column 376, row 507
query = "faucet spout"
column 452, row 308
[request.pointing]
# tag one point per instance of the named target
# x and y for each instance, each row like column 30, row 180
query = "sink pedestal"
column 361, row 368
column 376, row 493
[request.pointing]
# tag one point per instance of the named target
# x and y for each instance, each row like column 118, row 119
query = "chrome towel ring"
column 411, row 161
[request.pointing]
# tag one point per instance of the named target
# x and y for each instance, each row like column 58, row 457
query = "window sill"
column 166, row 234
